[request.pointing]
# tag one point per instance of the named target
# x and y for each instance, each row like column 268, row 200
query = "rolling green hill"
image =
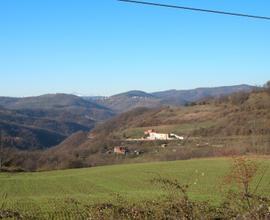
column 48, row 192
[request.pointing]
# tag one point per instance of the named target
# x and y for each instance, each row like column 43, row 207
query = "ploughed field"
column 62, row 193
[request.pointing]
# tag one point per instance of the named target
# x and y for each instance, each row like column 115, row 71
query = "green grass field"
column 46, row 192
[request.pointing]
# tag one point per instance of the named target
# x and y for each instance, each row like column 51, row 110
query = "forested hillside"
column 45, row 121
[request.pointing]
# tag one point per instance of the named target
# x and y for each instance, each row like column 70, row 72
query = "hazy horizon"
column 97, row 95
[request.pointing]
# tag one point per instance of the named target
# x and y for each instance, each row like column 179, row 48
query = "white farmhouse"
column 153, row 135
column 158, row 136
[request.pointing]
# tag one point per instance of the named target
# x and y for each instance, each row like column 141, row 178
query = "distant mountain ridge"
column 180, row 97
column 46, row 101
column 44, row 121
column 126, row 101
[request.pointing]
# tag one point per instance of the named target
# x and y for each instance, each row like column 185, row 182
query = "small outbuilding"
column 120, row 150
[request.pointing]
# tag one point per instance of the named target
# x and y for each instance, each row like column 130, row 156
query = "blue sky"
column 103, row 47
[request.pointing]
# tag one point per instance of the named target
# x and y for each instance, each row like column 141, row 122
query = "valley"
column 42, row 122
column 134, row 110
column 236, row 124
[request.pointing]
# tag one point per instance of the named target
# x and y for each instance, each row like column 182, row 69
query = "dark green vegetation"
column 76, row 194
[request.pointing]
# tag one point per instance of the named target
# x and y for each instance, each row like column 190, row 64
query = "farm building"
column 153, row 135
column 120, row 150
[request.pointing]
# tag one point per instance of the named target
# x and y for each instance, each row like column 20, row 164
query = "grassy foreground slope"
column 46, row 192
